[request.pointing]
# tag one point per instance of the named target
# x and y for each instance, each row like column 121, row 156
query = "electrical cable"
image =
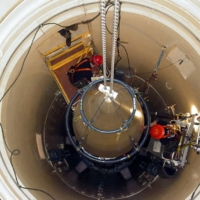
column 17, row 152
column 118, row 39
column 162, row 67
column 83, row 22
column 22, row 66
column 112, row 4
column 52, row 23
column 106, row 14
column 37, row 29
column 129, row 66
column 126, row 55
column 118, row 57
column 119, row 22
column 90, row 20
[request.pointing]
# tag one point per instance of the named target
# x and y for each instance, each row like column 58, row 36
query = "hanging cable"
column 37, row 29
column 119, row 20
column 118, row 39
column 16, row 152
column 114, row 41
column 103, row 39
column 111, row 5
column 180, row 60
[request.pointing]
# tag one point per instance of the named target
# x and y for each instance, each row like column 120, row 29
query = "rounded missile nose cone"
column 106, row 114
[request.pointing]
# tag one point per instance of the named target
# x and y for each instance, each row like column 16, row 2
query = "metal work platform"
column 61, row 58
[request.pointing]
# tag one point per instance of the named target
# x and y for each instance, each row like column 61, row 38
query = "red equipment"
column 97, row 60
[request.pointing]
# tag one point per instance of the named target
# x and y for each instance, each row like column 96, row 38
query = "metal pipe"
column 103, row 39
column 159, row 59
column 114, row 40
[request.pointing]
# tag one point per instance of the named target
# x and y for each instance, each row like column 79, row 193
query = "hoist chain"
column 114, row 40
column 103, row 38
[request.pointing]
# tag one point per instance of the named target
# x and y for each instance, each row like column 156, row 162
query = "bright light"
column 108, row 100
column 137, row 113
column 194, row 110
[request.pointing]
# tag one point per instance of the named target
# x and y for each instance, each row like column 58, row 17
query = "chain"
column 103, row 38
column 114, row 40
